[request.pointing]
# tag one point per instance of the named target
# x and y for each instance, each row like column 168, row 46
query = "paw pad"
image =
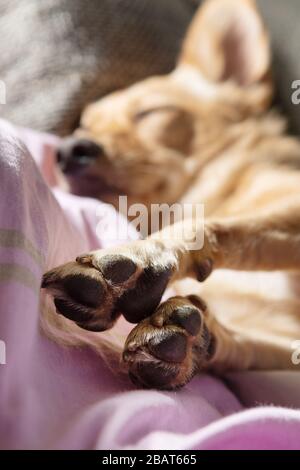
column 139, row 302
column 117, row 268
column 151, row 375
column 171, row 348
column 84, row 290
column 188, row 318
column 204, row 269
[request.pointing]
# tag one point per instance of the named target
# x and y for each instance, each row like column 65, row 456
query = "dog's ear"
column 227, row 41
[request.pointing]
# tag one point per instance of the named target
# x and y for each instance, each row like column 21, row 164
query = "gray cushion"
column 57, row 55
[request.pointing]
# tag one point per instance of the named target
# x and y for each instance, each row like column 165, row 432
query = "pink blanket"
column 62, row 398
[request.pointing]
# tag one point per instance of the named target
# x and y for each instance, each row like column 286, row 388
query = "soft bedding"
column 53, row 397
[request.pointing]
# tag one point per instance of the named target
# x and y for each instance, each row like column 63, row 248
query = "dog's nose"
column 76, row 154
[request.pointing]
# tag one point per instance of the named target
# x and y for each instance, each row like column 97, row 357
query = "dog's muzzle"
column 75, row 155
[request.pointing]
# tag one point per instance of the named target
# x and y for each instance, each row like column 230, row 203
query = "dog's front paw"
column 99, row 286
column 165, row 350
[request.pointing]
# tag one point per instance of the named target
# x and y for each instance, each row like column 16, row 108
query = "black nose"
column 76, row 154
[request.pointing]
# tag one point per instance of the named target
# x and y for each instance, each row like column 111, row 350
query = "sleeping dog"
column 202, row 134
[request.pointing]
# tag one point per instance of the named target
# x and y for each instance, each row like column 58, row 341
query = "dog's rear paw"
column 99, row 286
column 165, row 350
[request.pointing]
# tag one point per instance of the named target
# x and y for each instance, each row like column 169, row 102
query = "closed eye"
column 146, row 112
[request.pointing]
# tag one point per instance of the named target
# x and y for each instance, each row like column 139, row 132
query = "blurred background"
column 58, row 55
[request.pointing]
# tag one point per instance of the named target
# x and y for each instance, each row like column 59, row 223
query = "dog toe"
column 117, row 268
column 188, row 318
column 84, row 290
column 171, row 347
column 152, row 375
column 140, row 301
column 80, row 294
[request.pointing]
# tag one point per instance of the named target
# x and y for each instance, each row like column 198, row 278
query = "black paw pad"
column 204, row 269
column 153, row 375
column 117, row 268
column 77, row 314
column 140, row 302
column 187, row 317
column 84, row 290
column 172, row 348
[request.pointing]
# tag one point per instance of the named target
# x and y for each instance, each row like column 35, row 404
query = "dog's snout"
column 75, row 154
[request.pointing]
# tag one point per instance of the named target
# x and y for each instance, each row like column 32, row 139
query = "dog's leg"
column 268, row 242
column 131, row 279
column 183, row 337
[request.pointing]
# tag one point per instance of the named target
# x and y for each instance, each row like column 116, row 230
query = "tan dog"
column 200, row 134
